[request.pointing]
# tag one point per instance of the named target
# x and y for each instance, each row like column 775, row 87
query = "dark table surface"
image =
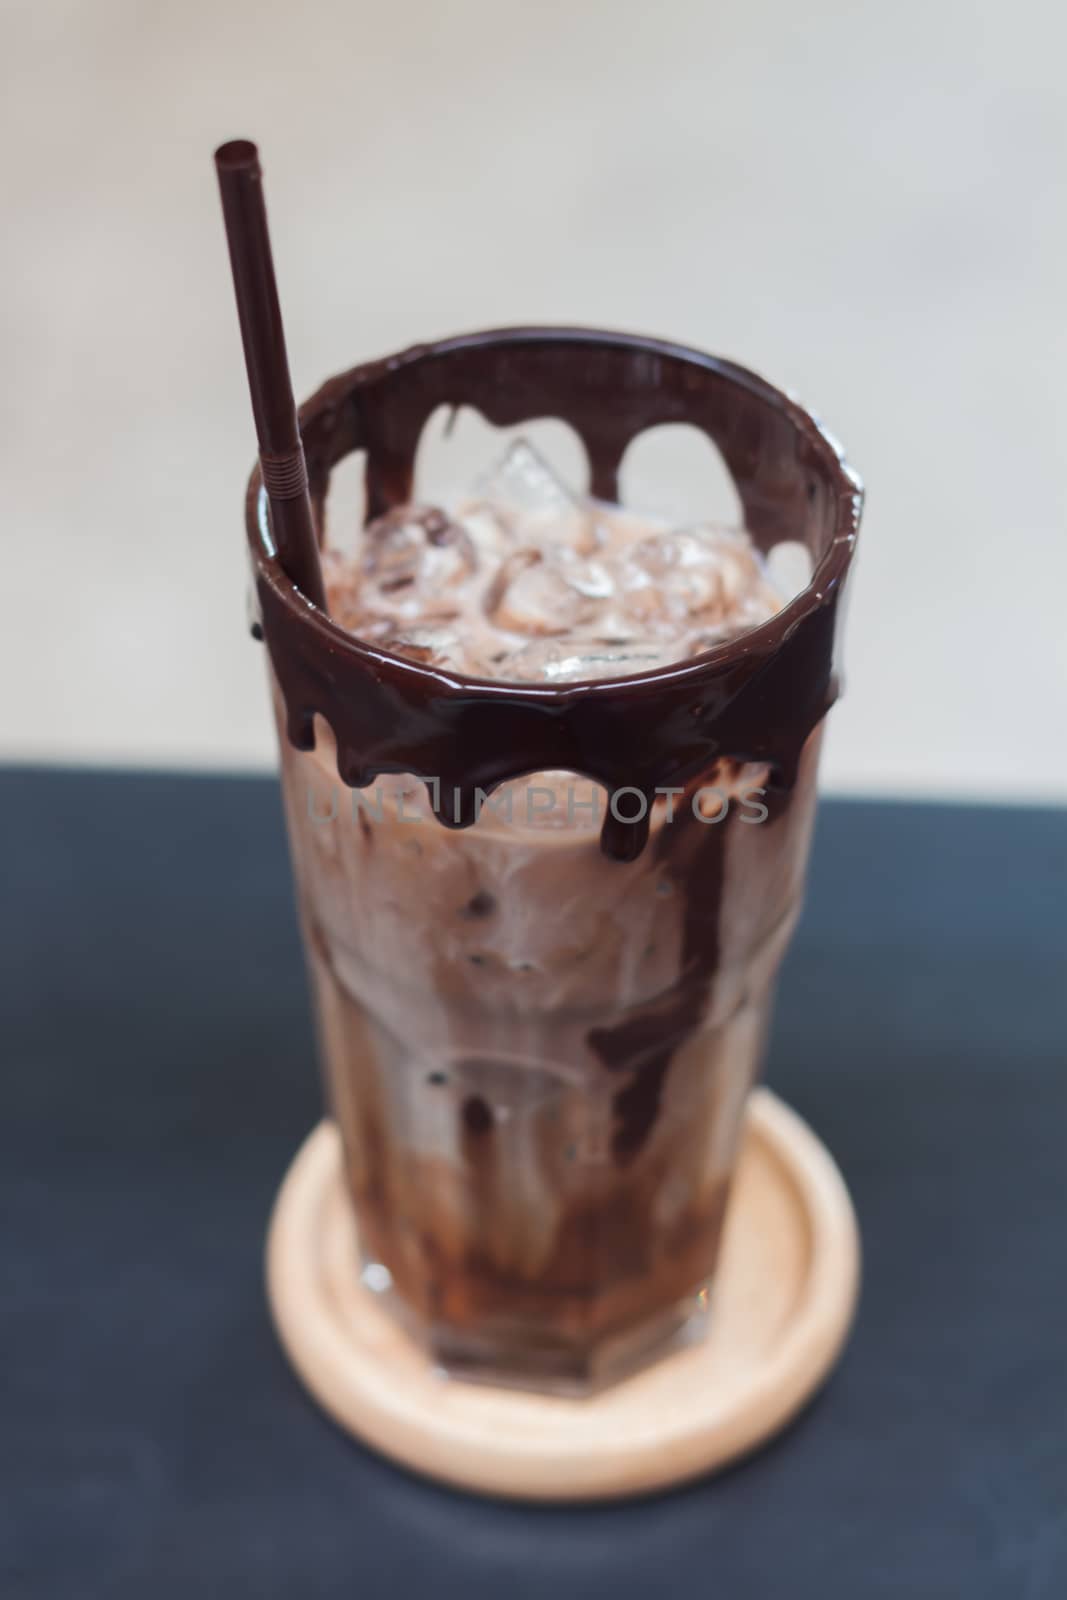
column 158, row 1075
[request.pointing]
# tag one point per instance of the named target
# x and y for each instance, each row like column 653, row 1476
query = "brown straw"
column 281, row 452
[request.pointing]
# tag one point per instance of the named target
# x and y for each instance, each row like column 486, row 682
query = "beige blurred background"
column 863, row 201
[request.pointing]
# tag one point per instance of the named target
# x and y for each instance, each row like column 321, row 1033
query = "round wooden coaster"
column 783, row 1300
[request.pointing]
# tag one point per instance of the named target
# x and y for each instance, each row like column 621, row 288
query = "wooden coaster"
column 782, row 1304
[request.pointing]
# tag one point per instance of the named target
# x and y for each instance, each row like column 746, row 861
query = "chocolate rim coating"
column 757, row 697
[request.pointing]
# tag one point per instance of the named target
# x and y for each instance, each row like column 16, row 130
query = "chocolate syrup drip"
column 755, row 698
column 644, row 1044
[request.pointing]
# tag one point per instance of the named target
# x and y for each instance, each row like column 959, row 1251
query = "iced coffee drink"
column 549, row 779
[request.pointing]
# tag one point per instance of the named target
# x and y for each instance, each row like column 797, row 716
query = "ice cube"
column 573, row 660
column 491, row 535
column 530, row 500
column 759, row 605
column 430, row 646
column 415, row 549
column 591, row 578
column 749, row 612
column 533, row 593
column 524, row 485
column 695, row 573
column 707, row 638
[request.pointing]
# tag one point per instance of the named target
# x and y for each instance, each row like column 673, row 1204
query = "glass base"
column 536, row 1360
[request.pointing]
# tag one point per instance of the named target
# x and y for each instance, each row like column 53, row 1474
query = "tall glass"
column 539, row 1030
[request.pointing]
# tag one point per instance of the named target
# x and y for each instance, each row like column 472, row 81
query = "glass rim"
column 765, row 639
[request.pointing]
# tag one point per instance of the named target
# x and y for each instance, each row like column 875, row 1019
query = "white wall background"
column 864, row 201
